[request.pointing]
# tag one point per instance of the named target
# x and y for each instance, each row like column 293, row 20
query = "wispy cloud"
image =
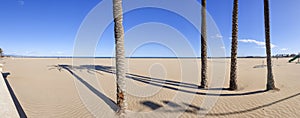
column 217, row 36
column 284, row 49
column 30, row 53
column 57, row 53
column 21, row 2
column 259, row 43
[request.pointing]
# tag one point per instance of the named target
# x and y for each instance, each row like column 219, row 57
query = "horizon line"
column 20, row 56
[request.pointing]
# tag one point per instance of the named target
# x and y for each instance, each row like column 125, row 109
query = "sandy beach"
column 62, row 87
column 149, row 59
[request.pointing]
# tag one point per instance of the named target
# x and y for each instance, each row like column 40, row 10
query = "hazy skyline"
column 48, row 27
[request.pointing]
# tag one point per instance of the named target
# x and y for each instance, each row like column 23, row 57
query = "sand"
column 51, row 87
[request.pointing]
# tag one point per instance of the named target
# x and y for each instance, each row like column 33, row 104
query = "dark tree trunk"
column 234, row 46
column 270, row 80
column 203, row 46
column 1, row 52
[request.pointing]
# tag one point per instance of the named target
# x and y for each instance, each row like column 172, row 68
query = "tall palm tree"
column 120, row 56
column 1, row 52
column 203, row 47
column 234, row 46
column 270, row 80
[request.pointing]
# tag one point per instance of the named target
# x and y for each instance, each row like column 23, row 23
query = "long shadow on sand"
column 195, row 109
column 14, row 97
column 168, row 84
column 107, row 100
column 254, row 108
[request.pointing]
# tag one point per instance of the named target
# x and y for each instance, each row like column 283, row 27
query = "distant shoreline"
column 137, row 57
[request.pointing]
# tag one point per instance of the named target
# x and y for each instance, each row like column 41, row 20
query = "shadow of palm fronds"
column 71, row 69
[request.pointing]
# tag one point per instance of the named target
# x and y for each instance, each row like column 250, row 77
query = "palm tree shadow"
column 195, row 109
column 107, row 100
column 151, row 105
column 168, row 84
column 185, row 107
column 109, row 69
column 254, row 108
column 259, row 66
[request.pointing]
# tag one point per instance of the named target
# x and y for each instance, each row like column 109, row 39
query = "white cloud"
column 217, row 36
column 59, row 52
column 30, row 53
column 21, row 2
column 14, row 53
column 284, row 49
column 259, row 43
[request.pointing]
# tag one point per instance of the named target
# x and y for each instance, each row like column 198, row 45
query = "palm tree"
column 234, row 46
column 270, row 79
column 120, row 56
column 1, row 52
column 203, row 47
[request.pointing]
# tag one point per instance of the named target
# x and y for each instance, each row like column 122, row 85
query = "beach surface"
column 156, row 87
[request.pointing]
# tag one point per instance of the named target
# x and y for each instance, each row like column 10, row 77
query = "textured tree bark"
column 234, row 47
column 270, row 79
column 203, row 46
column 120, row 56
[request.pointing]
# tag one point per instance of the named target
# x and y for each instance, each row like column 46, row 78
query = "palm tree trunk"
column 234, row 46
column 270, row 80
column 203, row 46
column 120, row 56
column 1, row 52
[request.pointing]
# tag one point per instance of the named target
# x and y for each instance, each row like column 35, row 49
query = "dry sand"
column 53, row 88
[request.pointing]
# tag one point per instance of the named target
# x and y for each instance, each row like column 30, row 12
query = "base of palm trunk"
column 233, row 86
column 202, row 87
column 121, row 113
column 269, row 87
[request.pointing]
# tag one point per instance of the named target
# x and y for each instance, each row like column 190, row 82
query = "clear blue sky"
column 49, row 27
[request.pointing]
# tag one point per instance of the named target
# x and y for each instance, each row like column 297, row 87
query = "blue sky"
column 49, row 27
